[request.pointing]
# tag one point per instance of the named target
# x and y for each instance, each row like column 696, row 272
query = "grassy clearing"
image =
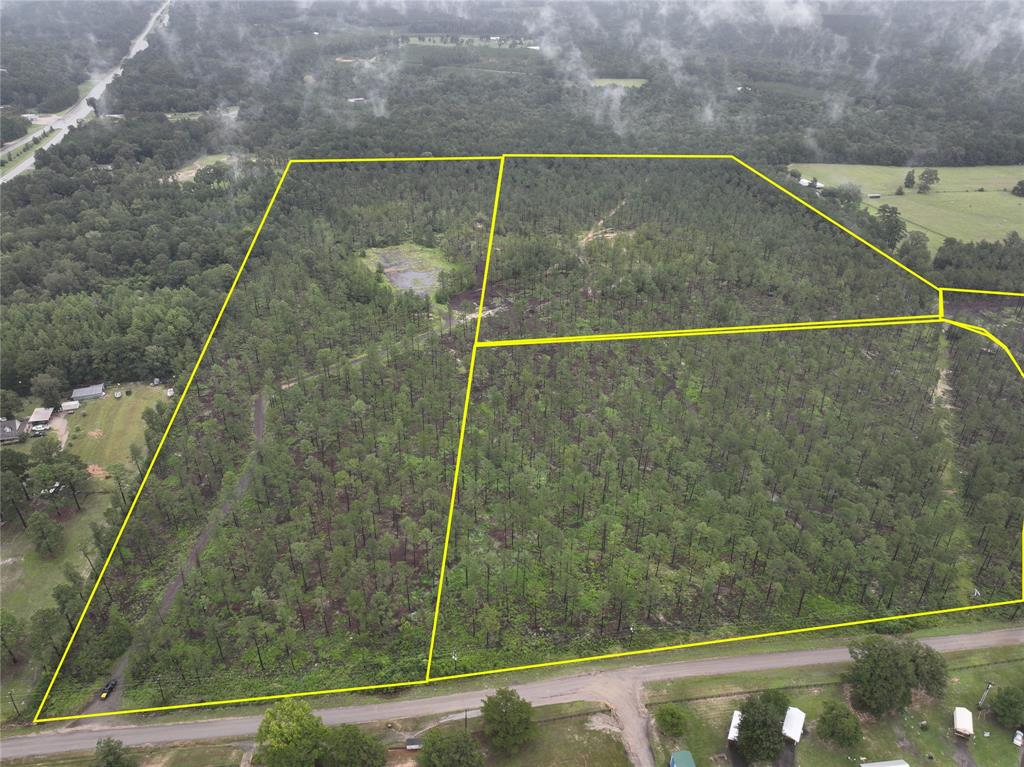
column 624, row 82
column 409, row 266
column 954, row 207
column 188, row 172
column 166, row 756
column 709, row 703
column 463, row 41
column 103, row 431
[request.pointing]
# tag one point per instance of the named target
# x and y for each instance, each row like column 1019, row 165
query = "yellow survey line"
column 727, row 640
column 725, row 330
column 832, row 221
column 984, row 292
column 464, row 158
column 230, row 701
column 776, row 327
column 619, row 156
column 465, row 416
column 163, row 438
column 988, row 334
column 942, row 302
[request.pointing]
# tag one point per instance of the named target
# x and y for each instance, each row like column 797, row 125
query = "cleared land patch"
column 969, row 204
column 409, row 266
column 623, row 82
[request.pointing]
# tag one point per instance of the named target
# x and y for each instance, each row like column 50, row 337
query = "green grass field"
column 625, row 82
column 954, row 207
column 709, row 703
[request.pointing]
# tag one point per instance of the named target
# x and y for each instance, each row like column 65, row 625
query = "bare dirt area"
column 95, row 470
column 409, row 267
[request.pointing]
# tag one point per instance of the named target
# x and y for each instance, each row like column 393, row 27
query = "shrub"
column 838, row 724
column 671, row 719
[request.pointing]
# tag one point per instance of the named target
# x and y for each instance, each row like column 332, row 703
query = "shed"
column 169, row 393
column 413, row 744
column 88, row 392
column 734, row 727
column 40, row 415
column 887, row 763
column 793, row 725
column 681, row 759
column 70, row 406
column 963, row 722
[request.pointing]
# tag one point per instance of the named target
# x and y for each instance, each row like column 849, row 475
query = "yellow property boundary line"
column 477, row 344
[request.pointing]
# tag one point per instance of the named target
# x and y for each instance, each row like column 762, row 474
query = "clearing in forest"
column 342, row 506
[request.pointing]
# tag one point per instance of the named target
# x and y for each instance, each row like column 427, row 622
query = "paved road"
column 74, row 114
column 619, row 688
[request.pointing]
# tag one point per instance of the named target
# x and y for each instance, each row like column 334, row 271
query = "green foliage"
column 760, row 731
column 929, row 177
column 839, row 724
column 10, row 404
column 112, row 753
column 930, row 671
column 348, row 746
column 881, row 676
column 12, row 632
column 290, row 735
column 908, row 180
column 449, row 747
column 49, row 388
column 508, row 720
column 893, row 228
column 1018, row 189
column 671, row 719
column 46, row 534
column 1007, row 705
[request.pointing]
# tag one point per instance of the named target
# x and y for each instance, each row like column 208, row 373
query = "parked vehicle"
column 107, row 689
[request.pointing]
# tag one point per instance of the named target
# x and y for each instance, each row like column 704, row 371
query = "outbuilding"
column 88, row 392
column 70, row 406
column 793, row 725
column 734, row 727
column 887, row 763
column 963, row 722
column 681, row 759
column 40, row 415
column 413, row 744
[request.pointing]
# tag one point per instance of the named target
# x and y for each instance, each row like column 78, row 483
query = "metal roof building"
column 88, row 392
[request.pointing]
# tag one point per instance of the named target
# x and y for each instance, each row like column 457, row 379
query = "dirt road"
column 618, row 688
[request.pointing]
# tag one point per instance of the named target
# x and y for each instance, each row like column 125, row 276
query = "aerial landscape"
column 512, row 383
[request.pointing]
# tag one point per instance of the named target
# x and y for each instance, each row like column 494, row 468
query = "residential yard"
column 188, row 172
column 709, row 703
column 101, row 433
column 954, row 208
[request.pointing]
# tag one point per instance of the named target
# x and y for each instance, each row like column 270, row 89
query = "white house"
column 793, row 725
column 963, row 722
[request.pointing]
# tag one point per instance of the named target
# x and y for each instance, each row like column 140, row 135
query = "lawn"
column 580, row 734
column 166, row 756
column 954, row 208
column 625, row 82
column 103, row 430
column 188, row 172
column 709, row 703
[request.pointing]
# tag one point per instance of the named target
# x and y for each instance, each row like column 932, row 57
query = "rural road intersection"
column 620, row 688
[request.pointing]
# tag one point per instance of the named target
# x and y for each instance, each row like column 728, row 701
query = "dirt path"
column 116, row 699
column 59, row 423
column 598, row 229
column 598, row 685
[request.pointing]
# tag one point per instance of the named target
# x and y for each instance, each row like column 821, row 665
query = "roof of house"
column 81, row 392
column 793, row 726
column 11, row 428
column 41, row 414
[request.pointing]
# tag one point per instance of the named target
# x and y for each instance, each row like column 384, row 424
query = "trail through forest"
column 116, row 699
